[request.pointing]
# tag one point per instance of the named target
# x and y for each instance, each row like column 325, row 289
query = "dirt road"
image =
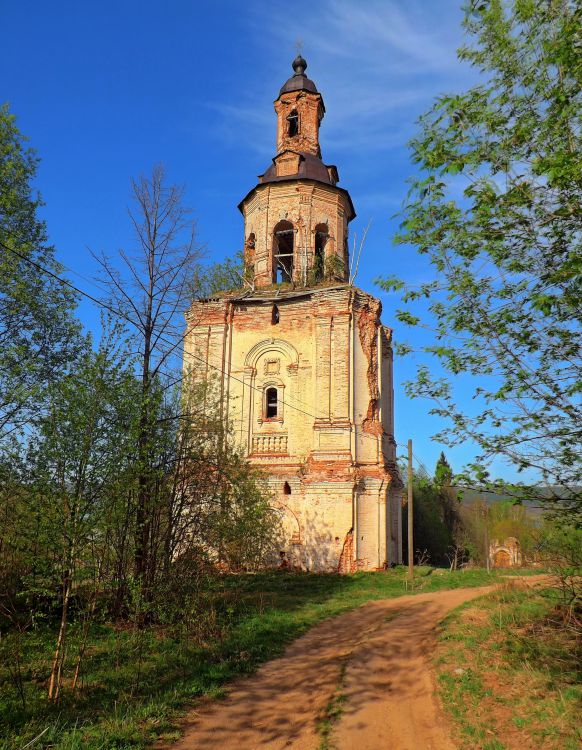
column 374, row 662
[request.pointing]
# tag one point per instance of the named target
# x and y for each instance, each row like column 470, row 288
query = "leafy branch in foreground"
column 497, row 212
column 39, row 336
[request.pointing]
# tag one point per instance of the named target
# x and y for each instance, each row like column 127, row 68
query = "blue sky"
column 107, row 89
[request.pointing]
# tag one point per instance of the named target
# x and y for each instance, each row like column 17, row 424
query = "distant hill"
column 470, row 497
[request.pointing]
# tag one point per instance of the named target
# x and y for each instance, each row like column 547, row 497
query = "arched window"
column 292, row 124
column 286, row 488
column 346, row 253
column 321, row 237
column 271, row 403
column 283, row 252
column 275, row 315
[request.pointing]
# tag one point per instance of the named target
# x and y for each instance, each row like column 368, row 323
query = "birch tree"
column 152, row 286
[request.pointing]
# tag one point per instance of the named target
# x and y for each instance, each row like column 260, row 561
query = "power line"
column 421, row 465
column 128, row 319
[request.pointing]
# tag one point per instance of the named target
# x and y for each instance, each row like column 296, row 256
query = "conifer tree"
column 443, row 473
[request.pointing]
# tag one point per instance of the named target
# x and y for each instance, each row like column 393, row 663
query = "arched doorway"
column 501, row 559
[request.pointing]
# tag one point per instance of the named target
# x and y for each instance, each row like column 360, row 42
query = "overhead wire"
column 421, row 466
column 126, row 318
column 123, row 316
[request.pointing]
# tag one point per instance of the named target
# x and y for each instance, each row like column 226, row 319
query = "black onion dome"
column 299, row 81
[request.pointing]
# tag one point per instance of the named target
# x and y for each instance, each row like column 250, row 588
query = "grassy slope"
column 509, row 675
column 134, row 684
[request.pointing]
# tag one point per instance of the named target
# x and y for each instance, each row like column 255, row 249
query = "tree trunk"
column 56, row 669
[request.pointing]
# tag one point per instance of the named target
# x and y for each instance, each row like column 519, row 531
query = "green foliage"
column 316, row 273
column 560, row 550
column 38, row 335
column 483, row 522
column 431, row 531
column 438, row 529
column 507, row 519
column 334, row 267
column 229, row 275
column 330, row 268
column 136, row 681
column 497, row 211
column 69, row 526
column 443, row 474
column 126, row 494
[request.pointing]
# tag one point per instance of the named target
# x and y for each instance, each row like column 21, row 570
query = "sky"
column 105, row 90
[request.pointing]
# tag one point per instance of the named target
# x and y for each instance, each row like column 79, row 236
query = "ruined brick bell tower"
column 304, row 361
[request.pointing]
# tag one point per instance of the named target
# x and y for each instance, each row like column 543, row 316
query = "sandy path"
column 377, row 656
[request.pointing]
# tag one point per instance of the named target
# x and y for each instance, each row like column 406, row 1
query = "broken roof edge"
column 278, row 294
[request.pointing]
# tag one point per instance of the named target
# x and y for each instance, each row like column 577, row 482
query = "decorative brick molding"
column 272, row 366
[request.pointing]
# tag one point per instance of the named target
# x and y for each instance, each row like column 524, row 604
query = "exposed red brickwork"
column 368, row 322
column 310, row 110
column 347, row 563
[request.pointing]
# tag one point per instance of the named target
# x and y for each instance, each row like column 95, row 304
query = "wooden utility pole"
column 486, row 535
column 410, row 516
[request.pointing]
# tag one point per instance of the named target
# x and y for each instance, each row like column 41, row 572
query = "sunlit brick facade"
column 303, row 360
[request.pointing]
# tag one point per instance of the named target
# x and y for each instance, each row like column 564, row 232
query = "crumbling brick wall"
column 323, row 355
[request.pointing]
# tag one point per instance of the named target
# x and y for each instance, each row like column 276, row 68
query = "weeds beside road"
column 136, row 682
column 509, row 672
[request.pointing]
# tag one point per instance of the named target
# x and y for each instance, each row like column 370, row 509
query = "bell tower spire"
column 300, row 110
column 296, row 217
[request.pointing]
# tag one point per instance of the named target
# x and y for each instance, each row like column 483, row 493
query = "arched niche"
column 321, row 238
column 268, row 346
column 249, row 253
column 293, row 123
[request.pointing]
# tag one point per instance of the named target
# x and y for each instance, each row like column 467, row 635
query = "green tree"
column 431, row 533
column 508, row 519
column 226, row 276
column 497, row 212
column 443, row 473
column 38, row 334
column 219, row 503
column 79, row 450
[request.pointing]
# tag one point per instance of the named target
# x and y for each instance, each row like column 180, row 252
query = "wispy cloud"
column 378, row 64
column 244, row 123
